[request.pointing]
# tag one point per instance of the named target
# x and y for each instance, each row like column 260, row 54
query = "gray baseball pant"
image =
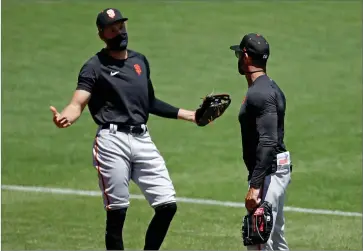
column 119, row 157
column 273, row 191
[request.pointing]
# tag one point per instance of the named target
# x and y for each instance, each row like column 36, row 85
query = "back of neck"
column 251, row 77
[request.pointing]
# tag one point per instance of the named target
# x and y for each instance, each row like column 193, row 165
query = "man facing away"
column 261, row 118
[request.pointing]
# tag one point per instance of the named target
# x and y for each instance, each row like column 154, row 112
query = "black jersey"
column 121, row 90
column 262, row 127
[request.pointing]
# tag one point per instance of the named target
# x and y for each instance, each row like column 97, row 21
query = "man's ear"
column 247, row 59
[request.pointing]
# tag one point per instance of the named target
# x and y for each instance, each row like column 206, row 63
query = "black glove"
column 213, row 106
column 257, row 225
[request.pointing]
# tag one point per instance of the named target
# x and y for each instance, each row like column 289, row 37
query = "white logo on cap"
column 111, row 13
column 265, row 56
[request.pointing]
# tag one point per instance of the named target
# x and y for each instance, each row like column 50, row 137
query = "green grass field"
column 315, row 57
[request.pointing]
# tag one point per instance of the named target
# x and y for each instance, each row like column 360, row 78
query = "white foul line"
column 179, row 199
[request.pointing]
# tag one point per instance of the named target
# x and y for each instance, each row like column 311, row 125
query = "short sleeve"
column 149, row 82
column 87, row 77
column 147, row 68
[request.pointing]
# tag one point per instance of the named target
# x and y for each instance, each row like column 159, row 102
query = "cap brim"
column 235, row 48
column 118, row 20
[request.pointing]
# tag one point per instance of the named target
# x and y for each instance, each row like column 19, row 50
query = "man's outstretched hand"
column 59, row 121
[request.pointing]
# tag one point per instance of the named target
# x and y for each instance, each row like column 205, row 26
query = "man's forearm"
column 163, row 109
column 71, row 112
column 265, row 153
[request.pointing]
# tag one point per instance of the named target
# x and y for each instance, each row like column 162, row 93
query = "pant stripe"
column 99, row 173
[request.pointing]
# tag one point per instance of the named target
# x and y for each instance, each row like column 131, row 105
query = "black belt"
column 132, row 129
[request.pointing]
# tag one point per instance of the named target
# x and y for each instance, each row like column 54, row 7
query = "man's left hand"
column 252, row 200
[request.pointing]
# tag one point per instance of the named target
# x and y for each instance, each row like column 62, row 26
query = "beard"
column 118, row 43
column 240, row 67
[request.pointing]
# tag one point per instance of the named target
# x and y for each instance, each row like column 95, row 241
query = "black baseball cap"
column 109, row 16
column 255, row 45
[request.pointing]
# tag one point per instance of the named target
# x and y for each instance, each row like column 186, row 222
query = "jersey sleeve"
column 264, row 107
column 87, row 77
column 157, row 106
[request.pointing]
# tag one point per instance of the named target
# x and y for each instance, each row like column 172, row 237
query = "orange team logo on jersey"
column 137, row 69
column 244, row 100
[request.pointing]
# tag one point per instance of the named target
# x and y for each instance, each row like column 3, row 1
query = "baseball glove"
column 257, row 225
column 212, row 107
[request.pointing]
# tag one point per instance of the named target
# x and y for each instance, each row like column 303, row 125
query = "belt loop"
column 113, row 128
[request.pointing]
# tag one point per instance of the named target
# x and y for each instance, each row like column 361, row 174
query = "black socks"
column 114, row 225
column 155, row 233
column 159, row 226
